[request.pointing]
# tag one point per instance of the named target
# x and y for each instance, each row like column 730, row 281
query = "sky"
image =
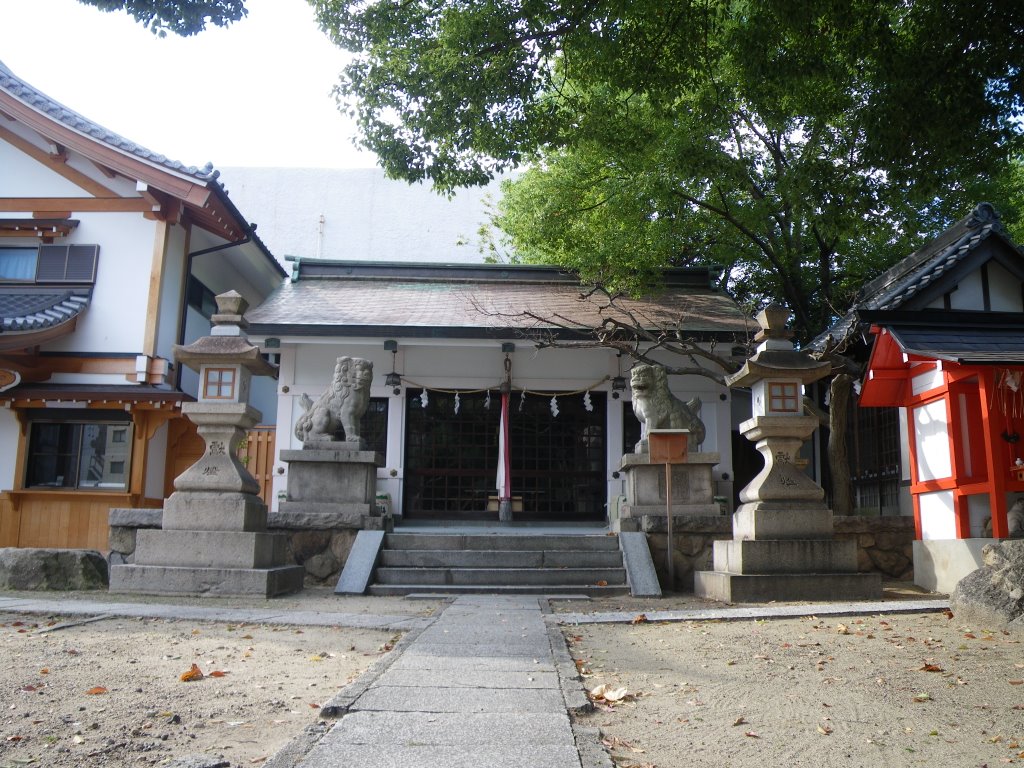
column 256, row 94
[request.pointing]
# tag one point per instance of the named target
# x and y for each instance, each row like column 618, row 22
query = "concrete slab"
column 469, row 678
column 448, row 729
column 362, row 559
column 473, row 663
column 482, row 756
column 478, row 650
column 640, row 573
column 466, row 700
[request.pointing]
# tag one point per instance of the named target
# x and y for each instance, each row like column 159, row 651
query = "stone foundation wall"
column 884, row 545
column 322, row 552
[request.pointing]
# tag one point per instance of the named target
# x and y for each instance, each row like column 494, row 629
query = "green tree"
column 802, row 145
column 180, row 17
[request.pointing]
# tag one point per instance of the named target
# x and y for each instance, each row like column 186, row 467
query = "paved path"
column 479, row 688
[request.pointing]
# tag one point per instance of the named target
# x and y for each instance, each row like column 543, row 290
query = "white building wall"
column 116, row 318
column 10, row 431
column 366, row 216
column 307, row 367
column 1004, row 289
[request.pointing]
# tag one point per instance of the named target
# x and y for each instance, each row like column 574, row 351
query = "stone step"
column 589, row 542
column 500, row 558
column 499, row 589
column 501, row 576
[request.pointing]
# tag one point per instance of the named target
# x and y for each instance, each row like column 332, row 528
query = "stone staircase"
column 589, row 564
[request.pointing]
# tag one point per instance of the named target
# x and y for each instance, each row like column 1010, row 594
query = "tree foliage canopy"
column 180, row 17
column 802, row 144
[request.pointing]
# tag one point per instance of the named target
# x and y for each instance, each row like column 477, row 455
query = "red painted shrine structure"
column 948, row 329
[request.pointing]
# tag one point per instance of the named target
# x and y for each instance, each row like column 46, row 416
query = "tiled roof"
column 903, row 281
column 356, row 298
column 33, row 309
column 57, row 111
column 961, row 337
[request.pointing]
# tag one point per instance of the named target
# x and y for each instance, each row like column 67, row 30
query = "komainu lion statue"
column 657, row 408
column 342, row 405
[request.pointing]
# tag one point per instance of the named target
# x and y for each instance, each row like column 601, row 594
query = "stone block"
column 209, row 511
column 318, row 515
column 362, row 559
column 762, row 588
column 692, row 485
column 61, row 569
column 121, row 540
column 636, row 558
column 321, row 565
column 134, row 518
column 305, row 544
column 210, row 549
column 170, row 580
column 786, row 556
column 767, row 520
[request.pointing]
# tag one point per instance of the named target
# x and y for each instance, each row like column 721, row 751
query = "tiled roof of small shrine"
column 337, row 298
column 984, row 338
column 899, row 284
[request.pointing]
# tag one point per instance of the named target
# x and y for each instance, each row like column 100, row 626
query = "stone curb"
column 758, row 612
column 342, row 701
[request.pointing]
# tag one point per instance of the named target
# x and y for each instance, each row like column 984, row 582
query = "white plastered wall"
column 307, row 367
column 10, row 431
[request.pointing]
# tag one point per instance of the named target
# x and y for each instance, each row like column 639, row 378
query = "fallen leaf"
column 921, row 697
column 640, row 618
column 44, row 671
column 192, row 674
column 740, row 721
column 96, row 691
column 751, row 735
column 1015, row 682
column 842, row 629
column 825, row 730
column 930, row 668
column 602, row 583
column 217, row 673
column 78, row 739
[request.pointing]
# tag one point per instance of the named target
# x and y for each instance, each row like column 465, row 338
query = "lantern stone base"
column 175, row 580
column 767, row 587
column 334, row 481
column 786, row 569
column 693, row 488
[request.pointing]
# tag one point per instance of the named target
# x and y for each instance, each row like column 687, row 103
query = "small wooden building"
column 947, row 325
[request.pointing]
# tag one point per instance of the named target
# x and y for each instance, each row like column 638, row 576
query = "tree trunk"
column 838, row 461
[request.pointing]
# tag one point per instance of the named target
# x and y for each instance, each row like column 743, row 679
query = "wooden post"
column 668, row 447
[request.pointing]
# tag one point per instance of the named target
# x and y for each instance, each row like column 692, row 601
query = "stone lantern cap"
column 226, row 348
column 776, row 358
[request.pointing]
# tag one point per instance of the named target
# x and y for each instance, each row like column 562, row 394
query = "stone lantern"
column 782, row 546
column 213, row 537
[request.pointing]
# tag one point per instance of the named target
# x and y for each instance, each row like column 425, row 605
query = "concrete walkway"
column 479, row 688
column 486, row 683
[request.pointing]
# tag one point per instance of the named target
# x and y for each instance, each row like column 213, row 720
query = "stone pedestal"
column 331, row 483
column 693, row 489
column 782, row 546
column 213, row 538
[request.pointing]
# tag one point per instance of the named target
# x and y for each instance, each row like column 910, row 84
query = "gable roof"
column 898, row 286
column 350, row 298
column 160, row 180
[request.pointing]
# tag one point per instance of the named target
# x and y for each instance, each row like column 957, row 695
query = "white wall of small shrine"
column 306, row 366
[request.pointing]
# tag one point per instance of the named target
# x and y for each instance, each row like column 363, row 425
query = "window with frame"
column 83, row 454
column 219, row 384
column 49, row 264
column 18, row 264
column 783, row 397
